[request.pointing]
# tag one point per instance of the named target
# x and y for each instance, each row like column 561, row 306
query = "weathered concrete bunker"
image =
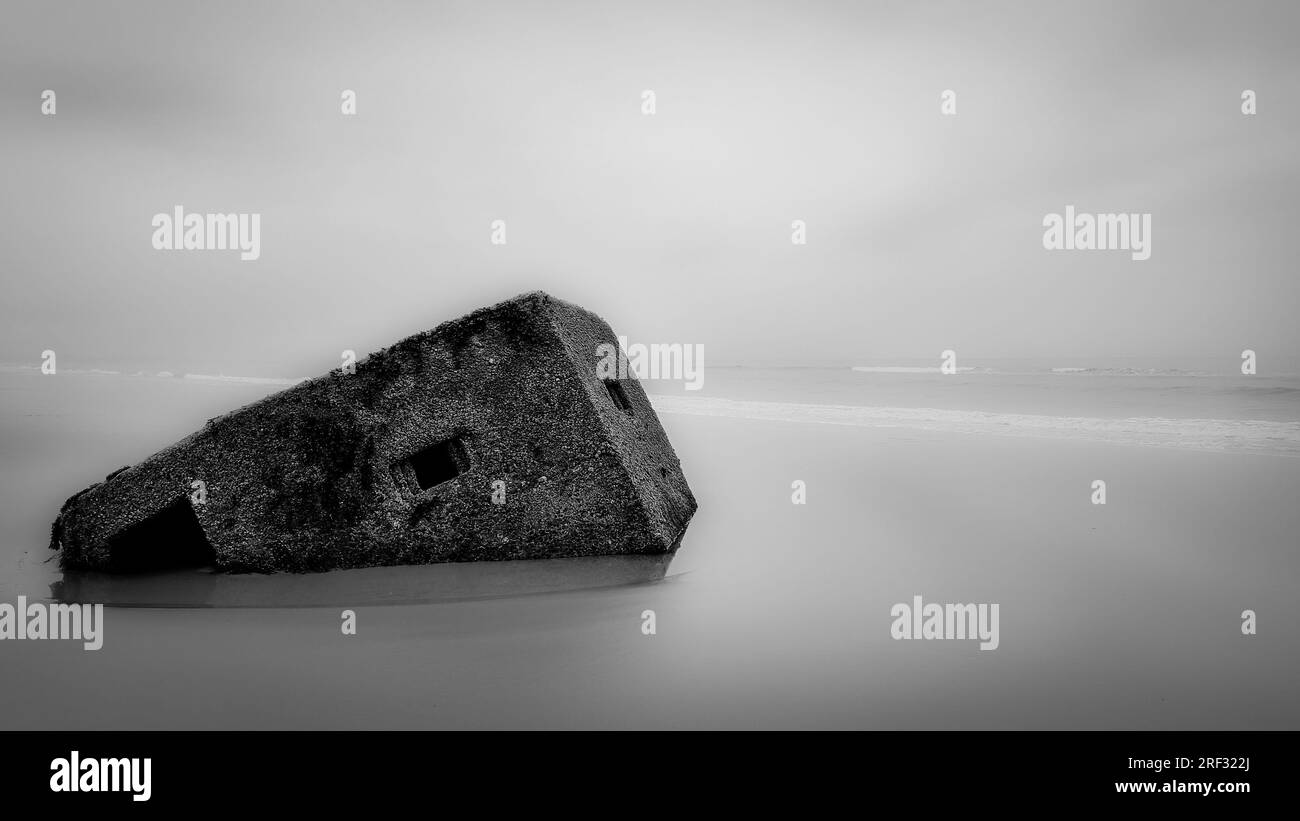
column 399, row 463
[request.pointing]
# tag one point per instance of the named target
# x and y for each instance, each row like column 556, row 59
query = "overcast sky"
column 924, row 231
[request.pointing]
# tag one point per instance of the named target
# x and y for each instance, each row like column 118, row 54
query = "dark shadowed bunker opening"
column 618, row 395
column 168, row 540
column 439, row 463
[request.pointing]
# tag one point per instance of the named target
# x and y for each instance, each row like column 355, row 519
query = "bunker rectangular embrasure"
column 398, row 463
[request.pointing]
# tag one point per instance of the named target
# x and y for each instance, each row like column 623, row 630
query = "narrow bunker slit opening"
column 439, row 463
column 616, row 394
column 171, row 539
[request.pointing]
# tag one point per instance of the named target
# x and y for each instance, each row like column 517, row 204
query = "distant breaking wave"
column 911, row 369
column 1059, row 371
column 1131, row 372
column 1219, row 435
column 245, row 380
column 197, row 377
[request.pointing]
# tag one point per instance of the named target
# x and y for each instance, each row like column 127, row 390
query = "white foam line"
column 905, row 369
column 1220, row 435
column 244, row 380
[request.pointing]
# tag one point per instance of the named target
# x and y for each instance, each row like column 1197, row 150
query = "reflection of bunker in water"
column 398, row 462
column 364, row 587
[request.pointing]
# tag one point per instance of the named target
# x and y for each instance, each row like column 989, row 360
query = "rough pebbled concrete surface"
column 319, row 477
